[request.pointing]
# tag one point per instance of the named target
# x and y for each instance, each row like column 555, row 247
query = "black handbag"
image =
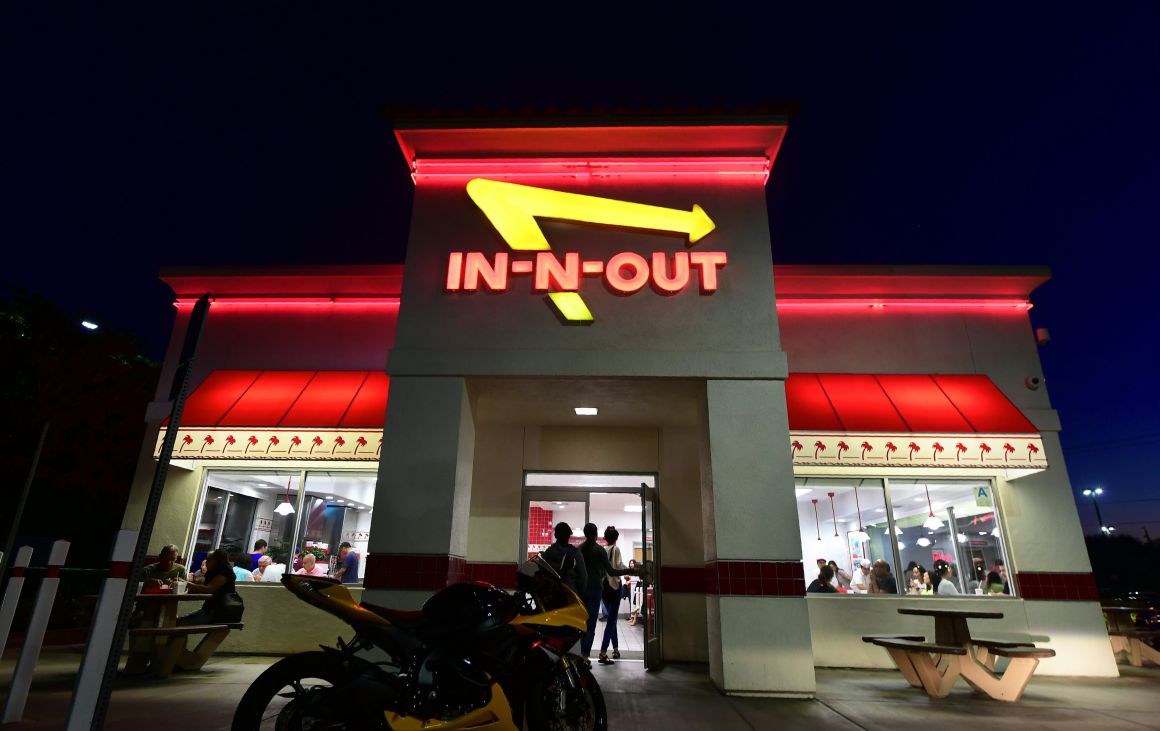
column 228, row 608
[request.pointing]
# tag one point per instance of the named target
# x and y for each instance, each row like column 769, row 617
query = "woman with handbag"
column 223, row 606
column 611, row 597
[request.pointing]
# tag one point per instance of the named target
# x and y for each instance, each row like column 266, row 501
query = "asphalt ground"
column 675, row 698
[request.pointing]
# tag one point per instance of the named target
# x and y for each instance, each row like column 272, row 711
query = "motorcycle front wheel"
column 560, row 703
column 298, row 693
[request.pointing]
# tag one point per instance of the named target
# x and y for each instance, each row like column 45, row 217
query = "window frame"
column 1000, row 519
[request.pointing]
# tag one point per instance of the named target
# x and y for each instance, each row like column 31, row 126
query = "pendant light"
column 931, row 523
column 817, row 523
column 833, row 514
column 859, row 535
column 285, row 508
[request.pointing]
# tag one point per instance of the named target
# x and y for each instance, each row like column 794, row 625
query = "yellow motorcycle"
column 474, row 657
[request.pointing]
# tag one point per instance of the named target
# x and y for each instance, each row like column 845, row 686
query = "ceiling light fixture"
column 285, row 508
column 962, row 538
column 931, row 523
column 586, row 411
column 924, row 541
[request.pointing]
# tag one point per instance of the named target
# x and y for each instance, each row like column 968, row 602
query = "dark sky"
column 991, row 135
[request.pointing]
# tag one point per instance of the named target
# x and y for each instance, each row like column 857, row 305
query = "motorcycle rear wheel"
column 288, row 696
column 580, row 709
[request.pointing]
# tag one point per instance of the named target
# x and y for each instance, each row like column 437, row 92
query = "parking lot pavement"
column 675, row 698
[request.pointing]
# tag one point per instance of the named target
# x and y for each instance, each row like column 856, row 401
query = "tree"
column 92, row 387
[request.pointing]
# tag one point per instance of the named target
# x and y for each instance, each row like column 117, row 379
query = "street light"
column 1093, row 494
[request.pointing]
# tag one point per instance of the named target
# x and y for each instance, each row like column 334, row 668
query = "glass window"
column 241, row 508
column 336, row 508
column 844, row 521
column 951, row 523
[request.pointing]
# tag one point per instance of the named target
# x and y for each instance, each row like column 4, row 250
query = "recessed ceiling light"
column 342, row 501
column 919, row 499
column 586, row 411
column 982, row 532
column 879, row 510
column 330, row 497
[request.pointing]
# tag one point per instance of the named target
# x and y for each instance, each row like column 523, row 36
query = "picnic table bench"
column 935, row 666
column 1127, row 640
column 158, row 644
column 175, row 654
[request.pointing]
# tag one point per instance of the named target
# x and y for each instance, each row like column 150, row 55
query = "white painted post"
column 12, row 594
column 88, row 687
column 34, row 638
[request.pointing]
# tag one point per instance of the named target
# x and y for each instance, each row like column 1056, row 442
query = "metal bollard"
column 100, row 643
column 12, row 594
column 34, row 639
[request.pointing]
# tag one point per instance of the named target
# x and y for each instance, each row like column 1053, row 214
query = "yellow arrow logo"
column 513, row 209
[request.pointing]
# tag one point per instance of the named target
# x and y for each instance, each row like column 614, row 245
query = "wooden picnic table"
column 936, row 666
column 950, row 625
column 1127, row 639
column 159, row 611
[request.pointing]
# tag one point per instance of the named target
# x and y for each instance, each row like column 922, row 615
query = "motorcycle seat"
column 396, row 617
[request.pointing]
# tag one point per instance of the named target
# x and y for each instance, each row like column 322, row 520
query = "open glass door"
column 650, row 581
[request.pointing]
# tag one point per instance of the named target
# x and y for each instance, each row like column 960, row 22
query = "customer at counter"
column 310, row 566
column 348, row 570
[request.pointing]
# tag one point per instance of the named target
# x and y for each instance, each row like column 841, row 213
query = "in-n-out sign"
column 513, row 209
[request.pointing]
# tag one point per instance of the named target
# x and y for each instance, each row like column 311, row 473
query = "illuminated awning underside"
column 316, row 415
column 847, row 420
column 852, row 420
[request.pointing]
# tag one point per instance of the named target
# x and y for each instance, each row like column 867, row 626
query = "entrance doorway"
column 626, row 501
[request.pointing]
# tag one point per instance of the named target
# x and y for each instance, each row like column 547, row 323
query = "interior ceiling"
column 551, row 401
column 910, row 504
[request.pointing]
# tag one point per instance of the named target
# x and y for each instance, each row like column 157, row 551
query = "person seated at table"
column 241, row 565
column 263, row 564
column 310, row 566
column 946, row 584
column 862, row 579
column 823, row 584
column 1003, row 577
column 223, row 604
column 883, row 579
column 915, row 582
column 994, row 586
column 841, row 578
column 165, row 571
column 198, row 577
column 273, row 573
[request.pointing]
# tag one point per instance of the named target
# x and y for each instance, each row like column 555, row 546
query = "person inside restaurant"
column 347, row 571
column 824, row 583
column 310, row 566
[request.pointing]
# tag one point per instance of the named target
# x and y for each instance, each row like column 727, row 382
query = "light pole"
column 1093, row 494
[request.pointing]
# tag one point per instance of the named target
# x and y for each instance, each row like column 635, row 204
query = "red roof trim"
column 269, row 399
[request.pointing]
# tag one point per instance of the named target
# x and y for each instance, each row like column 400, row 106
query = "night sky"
column 996, row 136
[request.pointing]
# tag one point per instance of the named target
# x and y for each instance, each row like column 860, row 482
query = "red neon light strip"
column 989, row 304
column 460, row 169
column 296, row 301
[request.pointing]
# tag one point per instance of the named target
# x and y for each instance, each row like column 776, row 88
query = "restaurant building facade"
column 589, row 327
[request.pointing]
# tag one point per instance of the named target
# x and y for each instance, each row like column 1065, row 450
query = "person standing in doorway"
column 599, row 569
column 567, row 560
column 611, row 596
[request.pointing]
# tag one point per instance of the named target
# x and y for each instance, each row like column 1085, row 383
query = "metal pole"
column 4, row 557
column 1099, row 517
column 177, row 394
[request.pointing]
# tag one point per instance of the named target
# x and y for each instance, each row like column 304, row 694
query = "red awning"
column 268, row 399
column 919, row 404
